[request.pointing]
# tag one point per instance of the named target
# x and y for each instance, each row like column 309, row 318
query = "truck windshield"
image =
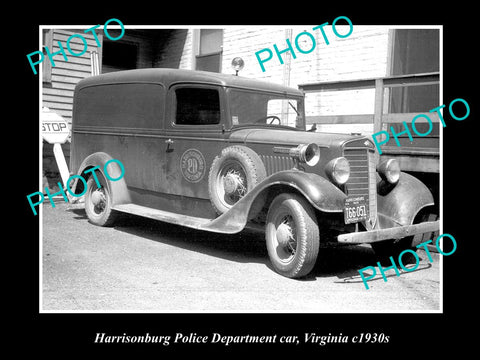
column 262, row 108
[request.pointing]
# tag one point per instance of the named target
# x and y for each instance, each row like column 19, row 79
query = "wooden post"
column 378, row 111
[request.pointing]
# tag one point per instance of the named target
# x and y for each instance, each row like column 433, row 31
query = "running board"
column 218, row 225
column 173, row 218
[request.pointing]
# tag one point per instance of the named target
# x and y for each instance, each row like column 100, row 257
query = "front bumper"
column 397, row 232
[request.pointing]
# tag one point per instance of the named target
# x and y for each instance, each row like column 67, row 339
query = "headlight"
column 304, row 153
column 308, row 154
column 338, row 170
column 389, row 170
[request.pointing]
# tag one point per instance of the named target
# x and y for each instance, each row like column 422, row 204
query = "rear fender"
column 320, row 192
column 118, row 189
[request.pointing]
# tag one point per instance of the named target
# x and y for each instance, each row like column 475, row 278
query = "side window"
column 197, row 106
column 121, row 105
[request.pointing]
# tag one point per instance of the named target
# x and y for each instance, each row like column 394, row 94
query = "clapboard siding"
column 59, row 80
column 64, row 86
column 64, row 36
column 75, row 71
column 57, row 105
column 74, row 66
column 57, row 98
column 58, row 94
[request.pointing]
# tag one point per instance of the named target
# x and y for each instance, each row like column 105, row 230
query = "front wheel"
column 292, row 235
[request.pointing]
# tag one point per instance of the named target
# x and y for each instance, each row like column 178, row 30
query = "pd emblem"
column 192, row 164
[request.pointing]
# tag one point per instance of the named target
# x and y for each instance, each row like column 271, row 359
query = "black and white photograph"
column 252, row 174
column 199, row 182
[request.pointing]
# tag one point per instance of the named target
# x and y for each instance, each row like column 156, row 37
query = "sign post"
column 55, row 131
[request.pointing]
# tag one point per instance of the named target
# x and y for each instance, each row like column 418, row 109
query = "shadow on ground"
column 248, row 246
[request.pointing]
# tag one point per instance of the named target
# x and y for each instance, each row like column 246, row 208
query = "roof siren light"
column 237, row 64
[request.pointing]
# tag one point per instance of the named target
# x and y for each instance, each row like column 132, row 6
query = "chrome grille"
column 362, row 180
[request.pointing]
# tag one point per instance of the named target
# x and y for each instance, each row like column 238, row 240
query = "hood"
column 290, row 137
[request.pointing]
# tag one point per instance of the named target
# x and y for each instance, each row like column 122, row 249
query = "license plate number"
column 355, row 209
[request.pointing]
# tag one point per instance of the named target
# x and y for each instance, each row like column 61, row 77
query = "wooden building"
column 370, row 52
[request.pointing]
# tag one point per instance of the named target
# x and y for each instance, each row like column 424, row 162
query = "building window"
column 209, row 54
column 414, row 51
column 118, row 56
column 197, row 106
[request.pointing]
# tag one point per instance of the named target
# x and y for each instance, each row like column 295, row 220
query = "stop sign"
column 54, row 127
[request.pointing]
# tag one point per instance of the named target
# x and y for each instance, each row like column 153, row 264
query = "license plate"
column 356, row 209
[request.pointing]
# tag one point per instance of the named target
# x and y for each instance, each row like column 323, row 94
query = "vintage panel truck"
column 219, row 152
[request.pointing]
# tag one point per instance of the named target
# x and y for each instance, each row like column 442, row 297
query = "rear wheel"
column 292, row 235
column 98, row 202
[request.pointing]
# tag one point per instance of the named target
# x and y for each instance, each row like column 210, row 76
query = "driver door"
column 195, row 136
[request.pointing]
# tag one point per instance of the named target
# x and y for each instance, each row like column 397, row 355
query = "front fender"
column 320, row 192
column 398, row 205
column 118, row 189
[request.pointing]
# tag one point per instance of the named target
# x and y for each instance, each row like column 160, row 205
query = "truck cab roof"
column 168, row 77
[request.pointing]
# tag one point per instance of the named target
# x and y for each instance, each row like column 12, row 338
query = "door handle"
column 169, row 143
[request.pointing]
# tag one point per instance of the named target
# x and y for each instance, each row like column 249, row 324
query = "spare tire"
column 234, row 173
